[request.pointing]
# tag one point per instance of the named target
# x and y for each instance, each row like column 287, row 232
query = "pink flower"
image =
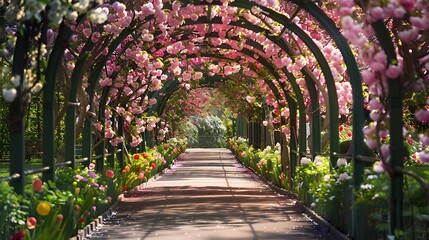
column 424, row 156
column 250, row 99
column 393, row 71
column 374, row 104
column 50, row 37
column 385, row 150
column 110, row 173
column 38, row 185
column 422, row 115
column 378, row 167
column 409, row 5
column 424, row 139
column 371, row 143
column 375, row 115
column 409, row 35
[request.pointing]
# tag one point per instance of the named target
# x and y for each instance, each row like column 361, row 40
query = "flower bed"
column 329, row 191
column 57, row 210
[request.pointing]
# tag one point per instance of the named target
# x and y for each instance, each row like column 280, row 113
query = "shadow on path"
column 208, row 195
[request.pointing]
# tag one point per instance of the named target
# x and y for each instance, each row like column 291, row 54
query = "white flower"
column 326, row 178
column 305, row 161
column 367, row 186
column 37, row 87
column 341, row 162
column 81, row 6
column 15, row 80
column 99, row 15
column 72, row 16
column 33, row 8
column 331, row 198
column 344, row 176
column 9, row 94
column 372, row 176
column 318, row 160
column 313, row 205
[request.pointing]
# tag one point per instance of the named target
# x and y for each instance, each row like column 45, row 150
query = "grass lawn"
column 4, row 166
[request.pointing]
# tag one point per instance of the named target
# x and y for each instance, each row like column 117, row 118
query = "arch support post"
column 48, row 138
column 121, row 148
column 87, row 140
column 315, row 117
column 241, row 127
column 16, row 112
column 397, row 149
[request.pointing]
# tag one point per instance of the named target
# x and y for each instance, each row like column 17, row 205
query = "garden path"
column 207, row 195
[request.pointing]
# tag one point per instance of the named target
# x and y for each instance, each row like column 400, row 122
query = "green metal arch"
column 330, row 82
column 297, row 91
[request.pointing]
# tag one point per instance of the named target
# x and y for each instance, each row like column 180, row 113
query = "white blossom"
column 99, row 15
column 37, row 87
column 9, row 94
column 367, row 186
column 81, row 6
column 318, row 160
column 344, row 176
column 57, row 12
column 372, row 176
column 341, row 162
column 305, row 161
column 33, row 8
column 326, row 177
column 15, row 80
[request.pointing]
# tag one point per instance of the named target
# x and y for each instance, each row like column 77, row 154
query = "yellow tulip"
column 43, row 208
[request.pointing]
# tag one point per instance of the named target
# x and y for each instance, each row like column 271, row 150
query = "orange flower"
column 127, row 168
column 60, row 218
column 43, row 208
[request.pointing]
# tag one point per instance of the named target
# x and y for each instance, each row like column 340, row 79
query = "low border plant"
column 58, row 209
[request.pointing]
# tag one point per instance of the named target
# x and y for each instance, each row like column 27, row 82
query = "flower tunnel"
column 309, row 63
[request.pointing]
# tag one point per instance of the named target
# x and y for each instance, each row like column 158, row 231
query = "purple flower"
column 92, row 174
column 80, row 178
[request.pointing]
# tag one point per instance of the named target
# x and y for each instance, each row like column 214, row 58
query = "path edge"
column 312, row 214
column 98, row 222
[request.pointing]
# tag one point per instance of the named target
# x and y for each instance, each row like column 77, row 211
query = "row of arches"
column 139, row 52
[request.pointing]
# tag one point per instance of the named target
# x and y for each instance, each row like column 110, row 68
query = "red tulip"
column 110, row 174
column 38, row 185
column 31, row 222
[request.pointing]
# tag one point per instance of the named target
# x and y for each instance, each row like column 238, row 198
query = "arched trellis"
column 289, row 99
column 308, row 76
column 332, row 101
column 356, row 138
